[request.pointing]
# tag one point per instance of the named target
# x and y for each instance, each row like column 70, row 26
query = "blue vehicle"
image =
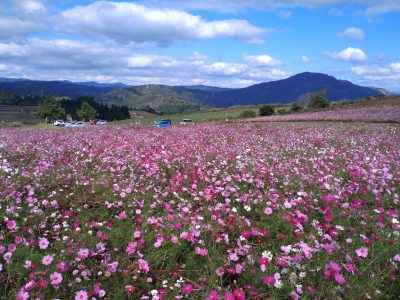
column 162, row 123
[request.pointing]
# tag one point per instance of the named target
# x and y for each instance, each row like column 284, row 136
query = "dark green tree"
column 266, row 110
column 86, row 112
column 51, row 110
column 319, row 101
column 296, row 107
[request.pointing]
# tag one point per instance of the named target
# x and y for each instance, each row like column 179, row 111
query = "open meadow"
column 232, row 211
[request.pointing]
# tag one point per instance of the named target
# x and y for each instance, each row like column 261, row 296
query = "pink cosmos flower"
column 339, row 278
column 264, row 260
column 81, row 295
column 350, row 268
column 220, row 271
column 187, row 289
column 131, row 248
column 43, row 243
column 332, row 271
column 83, row 253
column 47, row 260
column 22, row 295
column 56, row 278
column 246, row 234
column 129, row 289
column 212, row 296
column 201, row 251
column 362, row 252
column 122, row 215
column 268, row 211
column 269, row 280
column 239, row 295
column 143, row 265
column 229, row 296
column 42, row 283
column 11, row 224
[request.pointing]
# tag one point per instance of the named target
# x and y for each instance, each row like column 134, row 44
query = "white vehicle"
column 58, row 123
column 101, row 122
column 186, row 122
column 78, row 124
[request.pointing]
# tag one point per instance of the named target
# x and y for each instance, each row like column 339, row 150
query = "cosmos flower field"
column 236, row 211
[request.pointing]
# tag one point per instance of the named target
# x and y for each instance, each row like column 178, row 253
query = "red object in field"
column 93, row 122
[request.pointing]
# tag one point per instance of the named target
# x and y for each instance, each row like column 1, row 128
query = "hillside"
column 290, row 89
column 178, row 99
column 51, row 88
column 152, row 97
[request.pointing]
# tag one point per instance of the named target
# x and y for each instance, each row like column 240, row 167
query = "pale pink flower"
column 56, row 278
column 143, row 265
column 81, row 295
column 47, row 260
column 268, row 211
column 362, row 252
column 43, row 243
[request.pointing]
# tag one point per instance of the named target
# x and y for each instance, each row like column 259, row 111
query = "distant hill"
column 290, row 89
column 154, row 97
column 176, row 99
column 3, row 79
column 117, row 85
column 51, row 88
column 383, row 91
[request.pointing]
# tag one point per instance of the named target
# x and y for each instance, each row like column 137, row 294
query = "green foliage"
column 318, row 101
column 296, row 107
column 247, row 114
column 51, row 110
column 10, row 98
column 282, row 111
column 87, row 112
column 104, row 111
column 266, row 110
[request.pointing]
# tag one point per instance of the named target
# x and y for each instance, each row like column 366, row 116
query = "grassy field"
column 26, row 114
column 202, row 116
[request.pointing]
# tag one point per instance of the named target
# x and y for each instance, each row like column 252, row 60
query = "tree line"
column 82, row 108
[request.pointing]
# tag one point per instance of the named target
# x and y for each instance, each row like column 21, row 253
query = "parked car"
column 186, row 122
column 101, row 122
column 162, row 123
column 98, row 122
column 78, row 124
column 58, row 123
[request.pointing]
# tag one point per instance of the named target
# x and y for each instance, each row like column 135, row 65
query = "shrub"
column 319, row 101
column 266, row 110
column 247, row 114
column 296, row 107
column 282, row 111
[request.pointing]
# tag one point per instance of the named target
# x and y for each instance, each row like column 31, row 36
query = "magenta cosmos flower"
column 11, row 224
column 187, row 289
column 213, row 296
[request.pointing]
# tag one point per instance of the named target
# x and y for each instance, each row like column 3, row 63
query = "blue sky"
column 231, row 43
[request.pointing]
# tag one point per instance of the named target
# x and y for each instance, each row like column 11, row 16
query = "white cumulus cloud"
column 261, row 60
column 352, row 33
column 349, row 54
column 64, row 59
column 132, row 23
column 384, row 74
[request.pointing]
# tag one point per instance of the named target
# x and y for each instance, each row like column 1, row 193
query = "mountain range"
column 172, row 99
